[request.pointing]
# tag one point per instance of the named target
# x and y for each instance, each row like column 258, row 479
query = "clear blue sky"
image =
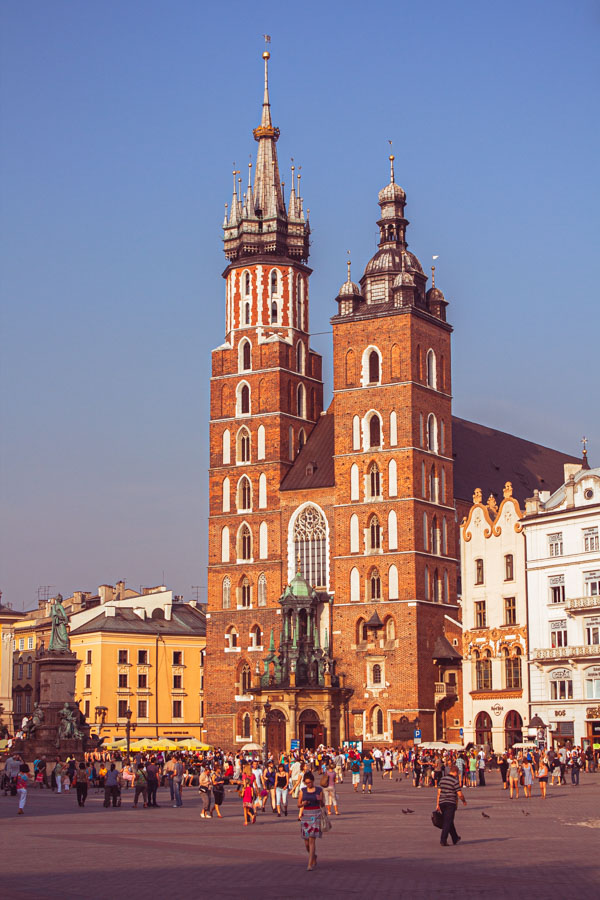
column 120, row 124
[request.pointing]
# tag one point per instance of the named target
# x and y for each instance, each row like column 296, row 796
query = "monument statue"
column 59, row 637
column 67, row 727
column 36, row 720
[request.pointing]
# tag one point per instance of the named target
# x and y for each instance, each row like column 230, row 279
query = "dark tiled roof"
column 313, row 467
column 186, row 619
column 486, row 458
column 443, row 649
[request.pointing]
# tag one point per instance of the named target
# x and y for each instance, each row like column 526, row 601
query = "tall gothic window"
column 244, row 494
column 374, row 533
column 243, row 445
column 245, row 400
column 245, row 593
column 374, row 431
column 226, row 592
column 310, row 544
column 374, row 481
column 262, row 589
column 247, row 284
column 375, row 585
column 373, row 367
column 246, row 679
column 245, row 543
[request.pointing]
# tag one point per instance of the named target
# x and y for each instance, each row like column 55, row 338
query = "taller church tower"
column 266, row 395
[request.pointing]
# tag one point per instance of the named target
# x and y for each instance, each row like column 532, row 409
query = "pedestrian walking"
column 247, row 793
column 514, row 772
column 140, row 786
column 329, row 792
column 218, row 789
column 310, row 801
column 81, row 784
column 22, row 787
column 111, row 787
column 204, row 786
column 481, row 767
column 367, row 779
column 448, row 794
column 355, row 772
column 527, row 774
column 152, row 782
column 543, row 772
column 177, row 781
column 281, row 790
column 58, row 774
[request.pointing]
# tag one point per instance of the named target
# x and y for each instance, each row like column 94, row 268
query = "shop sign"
column 497, row 709
column 592, row 672
column 560, row 674
column 592, row 712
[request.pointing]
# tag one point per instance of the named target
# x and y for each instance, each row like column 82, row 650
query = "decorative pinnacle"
column 392, row 158
column 349, row 263
column 433, row 272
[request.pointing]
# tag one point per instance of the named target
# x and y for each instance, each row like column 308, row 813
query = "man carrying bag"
column 447, row 800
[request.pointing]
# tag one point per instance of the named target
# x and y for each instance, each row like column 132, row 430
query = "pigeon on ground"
column 524, row 813
column 404, row 812
column 409, row 810
column 485, row 815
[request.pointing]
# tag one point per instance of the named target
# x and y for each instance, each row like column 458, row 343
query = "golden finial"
column 249, row 173
column 392, row 158
column 239, row 188
column 349, row 263
column 266, row 55
column 433, row 272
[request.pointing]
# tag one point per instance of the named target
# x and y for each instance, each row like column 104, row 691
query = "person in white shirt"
column 377, row 756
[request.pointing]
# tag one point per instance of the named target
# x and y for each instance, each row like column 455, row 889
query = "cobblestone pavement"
column 57, row 850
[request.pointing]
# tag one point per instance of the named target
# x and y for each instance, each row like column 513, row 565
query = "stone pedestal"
column 57, row 686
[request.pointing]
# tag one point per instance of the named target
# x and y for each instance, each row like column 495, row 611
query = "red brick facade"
column 373, row 481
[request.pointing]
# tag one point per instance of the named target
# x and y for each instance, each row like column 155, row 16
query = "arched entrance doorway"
column 276, row 743
column 513, row 728
column 311, row 730
column 483, row 729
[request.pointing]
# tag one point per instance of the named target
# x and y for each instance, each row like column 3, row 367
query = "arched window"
column 373, row 367
column 301, row 439
column 245, row 593
column 426, row 582
column 423, row 481
column 247, row 284
column 226, row 447
column 483, row 671
column 434, row 536
column 431, row 373
column 246, row 725
column 442, row 447
column 444, row 537
column 436, row 587
column 478, row 571
column 245, row 356
column 512, row 669
column 226, row 500
column 374, row 480
column 243, row 399
column 274, row 312
column 350, row 368
column 376, row 674
column 425, row 533
column 225, row 544
column 354, row 534
column 513, row 728
column 262, row 589
column 231, row 637
column 390, row 629
column 244, row 498
column 355, row 584
column 509, row 567
column 244, row 543
column 396, row 373
column 392, row 530
column 432, row 445
column 301, row 401
column 291, row 439
column 300, row 357
column 263, row 541
column 374, row 431
column 420, row 429
column 310, row 545
column 393, row 429
column 274, row 281
column 354, row 482
column 246, row 313
column 361, row 631
column 432, row 496
column 226, row 594
column 374, row 585
column 262, row 491
column 243, row 446
column 299, row 299
column 393, row 583
column 392, row 478
column 260, row 442
column 356, row 433
column 483, row 729
column 446, row 587
column 374, row 534
column 442, row 485
column 246, row 679
column 377, row 720
column 255, row 636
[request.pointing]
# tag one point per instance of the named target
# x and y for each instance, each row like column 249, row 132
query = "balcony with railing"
column 443, row 690
column 567, row 652
column 582, row 604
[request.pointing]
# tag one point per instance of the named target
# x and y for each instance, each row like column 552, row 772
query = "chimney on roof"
column 106, row 592
column 120, row 592
column 532, row 504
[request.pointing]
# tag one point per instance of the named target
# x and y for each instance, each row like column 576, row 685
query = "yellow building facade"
column 142, row 652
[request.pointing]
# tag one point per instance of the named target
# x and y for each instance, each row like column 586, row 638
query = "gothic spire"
column 268, row 196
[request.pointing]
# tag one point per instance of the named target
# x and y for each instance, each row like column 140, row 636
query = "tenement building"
column 563, row 582
column 494, row 616
column 333, row 566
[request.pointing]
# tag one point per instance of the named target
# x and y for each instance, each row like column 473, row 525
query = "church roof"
column 483, row 457
column 313, row 467
column 443, row 649
column 486, row 458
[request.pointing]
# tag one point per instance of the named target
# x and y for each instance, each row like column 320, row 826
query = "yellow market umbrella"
column 142, row 744
column 193, row 744
column 165, row 745
column 121, row 744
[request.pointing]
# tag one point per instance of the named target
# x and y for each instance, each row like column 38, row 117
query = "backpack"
column 355, row 767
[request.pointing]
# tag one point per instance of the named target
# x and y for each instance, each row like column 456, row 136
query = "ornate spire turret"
column 260, row 225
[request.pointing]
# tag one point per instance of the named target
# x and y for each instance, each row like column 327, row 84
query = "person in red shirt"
column 22, row 787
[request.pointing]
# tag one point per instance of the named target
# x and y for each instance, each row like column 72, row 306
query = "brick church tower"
column 266, row 394
column 395, row 551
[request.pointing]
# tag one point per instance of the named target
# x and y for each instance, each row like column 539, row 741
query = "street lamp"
column 128, row 728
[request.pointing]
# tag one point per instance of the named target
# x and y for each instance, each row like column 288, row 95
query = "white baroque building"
column 563, row 588
column 495, row 685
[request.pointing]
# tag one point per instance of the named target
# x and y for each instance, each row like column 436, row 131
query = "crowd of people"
column 308, row 778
